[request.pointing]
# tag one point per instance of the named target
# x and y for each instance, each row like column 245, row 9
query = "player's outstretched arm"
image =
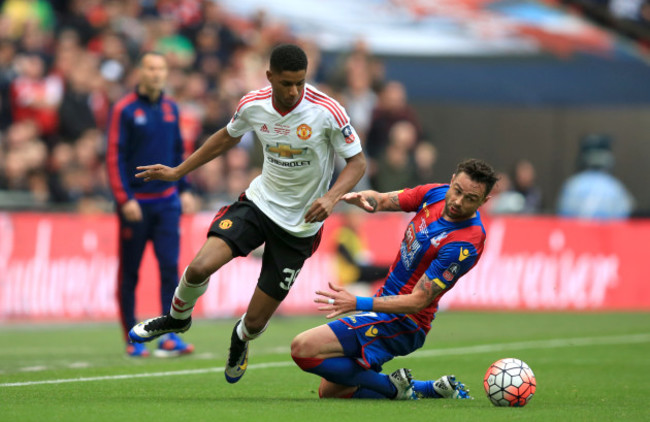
column 373, row 201
column 339, row 301
column 322, row 207
column 215, row 145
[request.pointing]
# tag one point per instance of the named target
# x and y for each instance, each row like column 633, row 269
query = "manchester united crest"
column 303, row 132
column 225, row 224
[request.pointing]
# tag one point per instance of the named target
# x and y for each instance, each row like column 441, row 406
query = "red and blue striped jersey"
column 441, row 249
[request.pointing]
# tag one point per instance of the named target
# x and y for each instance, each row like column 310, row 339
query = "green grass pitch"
column 588, row 366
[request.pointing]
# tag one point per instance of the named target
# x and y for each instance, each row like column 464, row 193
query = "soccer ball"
column 509, row 382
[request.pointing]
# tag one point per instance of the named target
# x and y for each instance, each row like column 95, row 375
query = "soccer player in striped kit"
column 300, row 130
column 442, row 242
column 144, row 125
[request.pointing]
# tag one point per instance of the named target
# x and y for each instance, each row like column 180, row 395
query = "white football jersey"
column 298, row 150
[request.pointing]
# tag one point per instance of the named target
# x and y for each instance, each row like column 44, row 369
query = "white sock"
column 244, row 335
column 185, row 297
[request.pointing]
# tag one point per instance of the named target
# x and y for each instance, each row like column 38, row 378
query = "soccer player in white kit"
column 300, row 130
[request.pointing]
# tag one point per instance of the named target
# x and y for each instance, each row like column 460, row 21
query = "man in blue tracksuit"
column 144, row 127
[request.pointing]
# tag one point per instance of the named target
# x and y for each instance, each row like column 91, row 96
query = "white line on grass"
column 539, row 344
column 145, row 375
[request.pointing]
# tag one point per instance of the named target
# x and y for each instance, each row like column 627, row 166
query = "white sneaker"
column 403, row 381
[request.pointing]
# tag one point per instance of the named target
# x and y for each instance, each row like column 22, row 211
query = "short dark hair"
column 149, row 53
column 288, row 57
column 479, row 171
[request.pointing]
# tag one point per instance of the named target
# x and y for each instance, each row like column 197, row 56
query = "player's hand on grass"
column 337, row 302
column 157, row 172
column 357, row 198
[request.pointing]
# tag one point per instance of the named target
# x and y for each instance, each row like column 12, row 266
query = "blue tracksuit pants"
column 160, row 224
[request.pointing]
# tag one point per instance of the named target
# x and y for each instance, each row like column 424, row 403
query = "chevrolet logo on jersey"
column 285, row 150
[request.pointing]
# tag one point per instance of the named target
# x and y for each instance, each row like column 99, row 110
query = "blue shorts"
column 375, row 338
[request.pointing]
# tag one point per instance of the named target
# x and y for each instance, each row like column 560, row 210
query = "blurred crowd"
column 64, row 63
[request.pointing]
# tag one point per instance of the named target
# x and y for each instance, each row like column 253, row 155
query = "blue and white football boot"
column 403, row 381
column 237, row 357
column 448, row 388
column 156, row 327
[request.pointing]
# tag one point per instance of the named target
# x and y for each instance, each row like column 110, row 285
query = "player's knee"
column 300, row 353
column 301, row 347
column 298, row 346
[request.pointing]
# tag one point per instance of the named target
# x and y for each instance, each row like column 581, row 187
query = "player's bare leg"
column 249, row 327
column 317, row 343
column 331, row 390
column 214, row 254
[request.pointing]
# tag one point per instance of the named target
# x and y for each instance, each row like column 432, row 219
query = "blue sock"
column 425, row 389
column 345, row 371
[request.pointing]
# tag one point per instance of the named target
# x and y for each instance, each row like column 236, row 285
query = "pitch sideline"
column 540, row 344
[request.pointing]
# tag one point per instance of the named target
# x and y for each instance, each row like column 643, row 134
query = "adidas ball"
column 509, row 382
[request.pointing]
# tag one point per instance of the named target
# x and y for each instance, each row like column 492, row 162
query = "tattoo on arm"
column 394, row 200
column 425, row 284
column 373, row 202
column 430, row 289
